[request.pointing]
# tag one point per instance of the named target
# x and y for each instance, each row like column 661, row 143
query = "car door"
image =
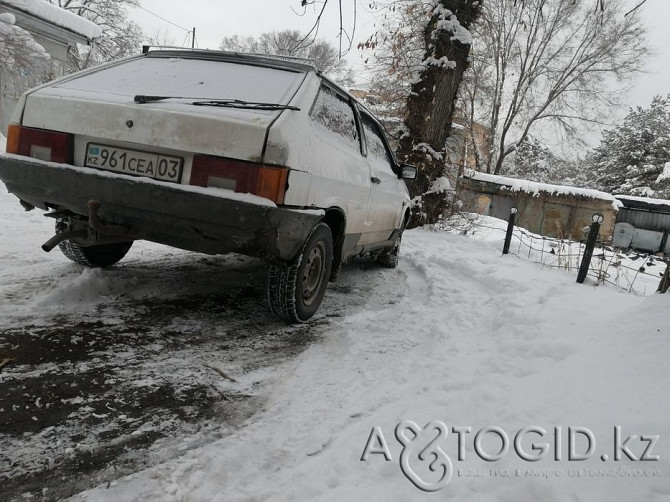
column 340, row 175
column 388, row 193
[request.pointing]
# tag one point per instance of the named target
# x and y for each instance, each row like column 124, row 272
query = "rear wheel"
column 101, row 255
column 295, row 292
column 389, row 258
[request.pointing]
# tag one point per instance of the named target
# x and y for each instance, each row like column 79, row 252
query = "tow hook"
column 95, row 223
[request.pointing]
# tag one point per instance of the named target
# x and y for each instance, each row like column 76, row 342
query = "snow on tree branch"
column 18, row 49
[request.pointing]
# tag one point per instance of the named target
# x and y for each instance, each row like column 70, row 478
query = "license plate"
column 133, row 162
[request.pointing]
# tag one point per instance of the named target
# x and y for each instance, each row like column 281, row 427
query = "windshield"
column 197, row 79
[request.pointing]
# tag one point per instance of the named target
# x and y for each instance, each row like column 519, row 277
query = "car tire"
column 389, row 258
column 295, row 291
column 101, row 255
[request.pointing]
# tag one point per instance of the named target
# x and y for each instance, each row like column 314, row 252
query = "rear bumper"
column 176, row 215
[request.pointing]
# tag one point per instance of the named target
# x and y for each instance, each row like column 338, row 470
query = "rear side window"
column 377, row 150
column 333, row 113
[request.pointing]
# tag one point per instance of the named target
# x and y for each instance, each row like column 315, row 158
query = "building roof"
column 36, row 13
column 645, row 203
column 535, row 189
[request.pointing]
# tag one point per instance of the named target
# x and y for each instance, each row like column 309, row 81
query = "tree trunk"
column 430, row 107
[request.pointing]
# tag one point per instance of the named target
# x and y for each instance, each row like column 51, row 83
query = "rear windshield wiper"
column 231, row 103
column 237, row 103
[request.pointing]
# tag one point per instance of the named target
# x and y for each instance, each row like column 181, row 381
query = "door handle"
column 375, row 180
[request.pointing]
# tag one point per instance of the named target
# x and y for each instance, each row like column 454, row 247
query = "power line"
column 163, row 19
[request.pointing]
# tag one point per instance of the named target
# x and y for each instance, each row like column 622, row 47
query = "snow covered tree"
column 547, row 63
column 534, row 161
column 18, row 49
column 419, row 58
column 293, row 43
column 120, row 36
column 634, row 158
column 26, row 61
column 427, row 47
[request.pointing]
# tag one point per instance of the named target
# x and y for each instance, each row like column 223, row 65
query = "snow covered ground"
column 630, row 270
column 457, row 334
column 469, row 338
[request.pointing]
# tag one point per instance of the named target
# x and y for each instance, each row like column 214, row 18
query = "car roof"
column 271, row 61
column 268, row 60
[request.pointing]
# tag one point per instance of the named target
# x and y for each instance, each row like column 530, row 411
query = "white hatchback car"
column 212, row 152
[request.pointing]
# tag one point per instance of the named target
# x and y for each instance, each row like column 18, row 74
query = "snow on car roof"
column 57, row 16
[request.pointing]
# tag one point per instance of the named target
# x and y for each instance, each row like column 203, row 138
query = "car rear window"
column 192, row 78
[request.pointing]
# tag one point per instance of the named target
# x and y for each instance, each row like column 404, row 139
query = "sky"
column 214, row 19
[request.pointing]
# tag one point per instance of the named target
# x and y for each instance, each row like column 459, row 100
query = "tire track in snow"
column 121, row 364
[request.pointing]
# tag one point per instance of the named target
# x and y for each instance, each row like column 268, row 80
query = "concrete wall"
column 560, row 216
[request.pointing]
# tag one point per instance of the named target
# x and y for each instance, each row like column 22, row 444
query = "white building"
column 56, row 30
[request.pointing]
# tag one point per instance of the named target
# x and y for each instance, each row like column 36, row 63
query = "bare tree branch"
column 548, row 62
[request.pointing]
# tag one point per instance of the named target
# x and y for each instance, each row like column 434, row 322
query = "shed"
column 643, row 223
column 56, row 30
column 551, row 210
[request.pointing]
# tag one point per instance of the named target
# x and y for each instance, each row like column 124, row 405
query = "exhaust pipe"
column 63, row 236
column 95, row 227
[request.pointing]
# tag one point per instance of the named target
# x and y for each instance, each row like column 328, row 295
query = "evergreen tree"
column 634, row 158
column 534, row 161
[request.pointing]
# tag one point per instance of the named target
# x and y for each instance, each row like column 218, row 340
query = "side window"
column 377, row 150
column 334, row 114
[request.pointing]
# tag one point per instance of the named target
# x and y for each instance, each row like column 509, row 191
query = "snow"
column 665, row 175
column 428, row 150
column 627, row 269
column 457, row 333
column 450, row 23
column 56, row 15
column 443, row 62
column 17, row 44
column 534, row 188
column 664, row 203
column 335, row 117
column 440, row 185
column 471, row 338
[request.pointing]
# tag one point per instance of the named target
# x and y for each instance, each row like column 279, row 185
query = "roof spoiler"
column 273, row 57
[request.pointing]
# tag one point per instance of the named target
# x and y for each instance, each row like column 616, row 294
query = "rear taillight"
column 242, row 177
column 40, row 144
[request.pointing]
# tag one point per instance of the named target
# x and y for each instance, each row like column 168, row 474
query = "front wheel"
column 295, row 292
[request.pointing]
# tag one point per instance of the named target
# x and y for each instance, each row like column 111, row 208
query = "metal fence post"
column 510, row 229
column 590, row 245
column 664, row 285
